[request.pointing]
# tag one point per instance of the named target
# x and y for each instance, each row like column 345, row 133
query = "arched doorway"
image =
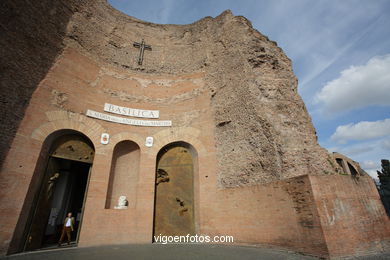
column 174, row 190
column 61, row 188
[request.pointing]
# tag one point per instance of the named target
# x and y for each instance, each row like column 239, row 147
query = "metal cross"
column 142, row 46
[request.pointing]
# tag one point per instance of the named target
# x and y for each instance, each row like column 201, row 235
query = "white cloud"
column 370, row 165
column 362, row 131
column 358, row 149
column 332, row 149
column 357, row 87
column 386, row 144
column 372, row 173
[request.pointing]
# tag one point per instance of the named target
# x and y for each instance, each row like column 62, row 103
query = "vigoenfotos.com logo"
column 162, row 239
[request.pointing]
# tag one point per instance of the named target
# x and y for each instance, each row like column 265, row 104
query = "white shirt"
column 68, row 223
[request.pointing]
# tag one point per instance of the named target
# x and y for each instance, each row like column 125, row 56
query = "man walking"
column 68, row 228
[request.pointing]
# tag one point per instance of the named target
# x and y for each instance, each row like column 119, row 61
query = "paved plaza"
column 171, row 252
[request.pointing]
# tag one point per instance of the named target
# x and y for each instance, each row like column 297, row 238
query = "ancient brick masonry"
column 253, row 90
column 258, row 171
column 263, row 131
column 31, row 39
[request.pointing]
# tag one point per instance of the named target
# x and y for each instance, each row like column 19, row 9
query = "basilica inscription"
column 127, row 121
column 126, row 111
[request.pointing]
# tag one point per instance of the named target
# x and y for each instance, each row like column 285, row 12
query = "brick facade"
column 267, row 201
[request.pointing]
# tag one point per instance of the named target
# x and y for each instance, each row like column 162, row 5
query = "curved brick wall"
column 31, row 38
column 262, row 129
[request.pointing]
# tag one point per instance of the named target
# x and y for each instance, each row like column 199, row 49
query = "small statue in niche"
column 51, row 184
column 122, row 203
column 162, row 176
column 182, row 209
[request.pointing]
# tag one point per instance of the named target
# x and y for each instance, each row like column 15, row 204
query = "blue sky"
column 341, row 56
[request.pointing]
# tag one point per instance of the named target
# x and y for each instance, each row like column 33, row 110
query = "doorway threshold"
column 55, row 246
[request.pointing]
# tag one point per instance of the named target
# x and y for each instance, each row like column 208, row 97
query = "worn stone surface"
column 263, row 131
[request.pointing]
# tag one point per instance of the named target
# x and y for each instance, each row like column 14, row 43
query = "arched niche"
column 347, row 165
column 174, row 210
column 123, row 174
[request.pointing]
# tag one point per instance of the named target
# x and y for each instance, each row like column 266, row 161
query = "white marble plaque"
column 126, row 111
column 149, row 141
column 127, row 121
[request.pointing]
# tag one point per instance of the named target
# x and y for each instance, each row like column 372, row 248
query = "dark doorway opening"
column 340, row 163
column 62, row 190
column 61, row 195
column 352, row 169
column 174, row 191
